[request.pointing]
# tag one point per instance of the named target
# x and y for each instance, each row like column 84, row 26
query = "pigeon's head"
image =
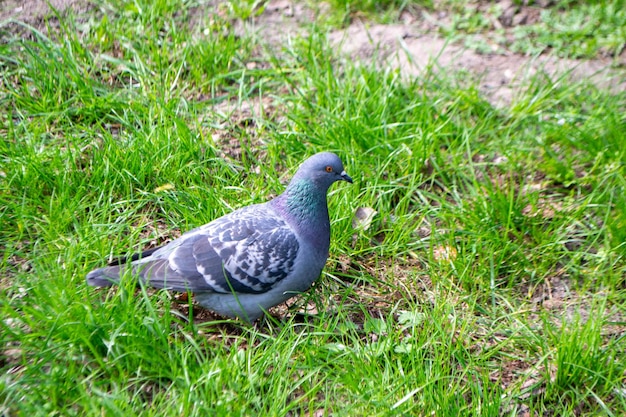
column 323, row 169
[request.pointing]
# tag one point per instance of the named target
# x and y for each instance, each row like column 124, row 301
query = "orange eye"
column 329, row 169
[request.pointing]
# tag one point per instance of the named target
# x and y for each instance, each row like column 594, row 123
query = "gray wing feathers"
column 247, row 251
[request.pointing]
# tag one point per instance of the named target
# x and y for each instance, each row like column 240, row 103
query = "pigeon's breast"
column 307, row 268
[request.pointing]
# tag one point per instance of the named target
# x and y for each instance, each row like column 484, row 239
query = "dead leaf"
column 164, row 187
column 363, row 218
column 444, row 253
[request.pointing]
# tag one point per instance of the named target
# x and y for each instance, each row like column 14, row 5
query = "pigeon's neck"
column 304, row 205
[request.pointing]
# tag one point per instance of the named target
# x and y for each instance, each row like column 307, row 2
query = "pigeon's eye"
column 329, row 169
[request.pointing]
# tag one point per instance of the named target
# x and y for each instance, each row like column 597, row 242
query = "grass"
column 490, row 281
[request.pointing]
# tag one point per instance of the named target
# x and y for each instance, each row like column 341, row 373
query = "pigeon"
column 251, row 259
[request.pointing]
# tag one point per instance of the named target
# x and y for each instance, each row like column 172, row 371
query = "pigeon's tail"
column 104, row 277
column 109, row 275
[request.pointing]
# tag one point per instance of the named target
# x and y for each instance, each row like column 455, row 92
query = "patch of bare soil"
column 33, row 12
column 404, row 47
column 244, row 116
column 413, row 47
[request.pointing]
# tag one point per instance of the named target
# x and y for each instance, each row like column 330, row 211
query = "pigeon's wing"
column 248, row 251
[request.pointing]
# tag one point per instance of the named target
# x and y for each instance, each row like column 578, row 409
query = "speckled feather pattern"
column 253, row 258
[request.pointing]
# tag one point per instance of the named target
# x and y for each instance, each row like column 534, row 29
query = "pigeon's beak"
column 345, row 177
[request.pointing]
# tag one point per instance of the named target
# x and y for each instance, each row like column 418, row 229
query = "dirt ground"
column 413, row 45
column 410, row 46
column 32, row 12
column 500, row 76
